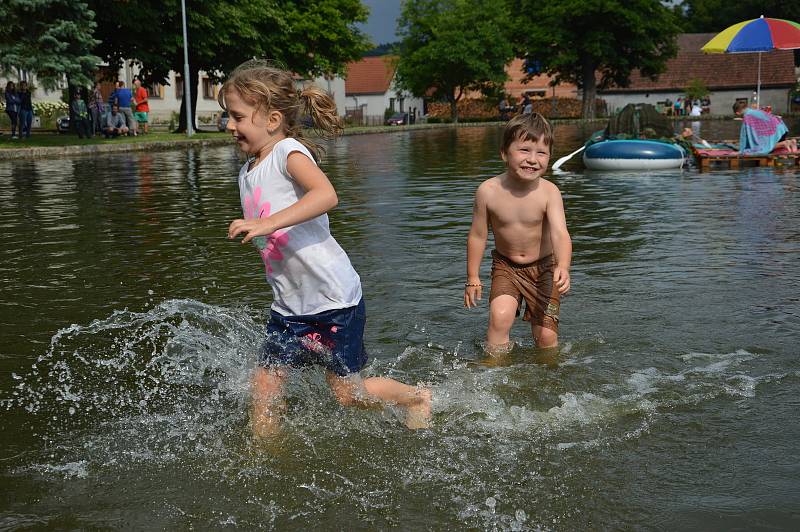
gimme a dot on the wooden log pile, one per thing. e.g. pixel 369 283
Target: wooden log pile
pixel 467 108
pixel 481 109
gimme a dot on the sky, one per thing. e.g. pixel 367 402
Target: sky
pixel 382 22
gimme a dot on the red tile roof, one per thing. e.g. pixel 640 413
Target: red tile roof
pixel 370 75
pixel 515 86
pixel 718 71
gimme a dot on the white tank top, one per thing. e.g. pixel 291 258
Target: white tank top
pixel 307 269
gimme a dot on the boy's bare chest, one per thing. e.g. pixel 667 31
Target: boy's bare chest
pixel 509 210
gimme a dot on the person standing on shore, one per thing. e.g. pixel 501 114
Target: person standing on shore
pixel 142 106
pixel 12 106
pixel 96 109
pixel 81 114
pixel 25 110
pixel 122 96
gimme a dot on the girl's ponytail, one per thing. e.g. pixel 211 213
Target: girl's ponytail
pixel 319 107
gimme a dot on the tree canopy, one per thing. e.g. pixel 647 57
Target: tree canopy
pixel 57 38
pixel 595 43
pixel 449 47
pixel 310 37
pixel 701 16
pixel 50 38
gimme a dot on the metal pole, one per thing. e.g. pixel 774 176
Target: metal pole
pixel 758 88
pixel 187 91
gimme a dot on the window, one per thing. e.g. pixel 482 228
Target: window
pixel 402 104
pixel 178 87
pixel 391 104
pixel 155 90
pixel 208 89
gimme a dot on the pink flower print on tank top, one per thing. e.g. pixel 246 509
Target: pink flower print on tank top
pixel 269 247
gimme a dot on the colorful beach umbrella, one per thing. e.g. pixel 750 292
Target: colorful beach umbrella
pixel 756 35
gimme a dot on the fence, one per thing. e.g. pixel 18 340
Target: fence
pixel 354 116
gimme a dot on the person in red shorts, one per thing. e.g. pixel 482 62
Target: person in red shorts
pixel 142 107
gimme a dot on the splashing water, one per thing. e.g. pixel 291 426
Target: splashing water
pixel 137 395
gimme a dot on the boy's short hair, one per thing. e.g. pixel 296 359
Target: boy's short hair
pixel 527 126
pixel 739 105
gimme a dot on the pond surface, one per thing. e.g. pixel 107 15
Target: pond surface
pixel 129 325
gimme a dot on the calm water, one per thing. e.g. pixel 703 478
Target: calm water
pixel 129 324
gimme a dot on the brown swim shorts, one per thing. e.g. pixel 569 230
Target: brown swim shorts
pixel 532 282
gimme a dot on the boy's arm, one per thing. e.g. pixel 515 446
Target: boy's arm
pixel 562 243
pixel 476 245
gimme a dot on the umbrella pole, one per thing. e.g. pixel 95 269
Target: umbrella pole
pixel 758 88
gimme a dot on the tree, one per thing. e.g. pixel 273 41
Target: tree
pixel 700 16
pixel 696 90
pixel 578 41
pixel 49 38
pixel 450 47
pixel 308 36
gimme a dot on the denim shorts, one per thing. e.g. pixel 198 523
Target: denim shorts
pixel 333 339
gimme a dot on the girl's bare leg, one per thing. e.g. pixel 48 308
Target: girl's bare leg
pixel 267 401
pixel 377 391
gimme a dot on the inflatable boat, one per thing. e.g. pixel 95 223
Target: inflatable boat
pixel 633 155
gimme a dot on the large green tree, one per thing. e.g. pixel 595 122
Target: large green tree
pixel 595 43
pixel 701 16
pixel 310 37
pixel 52 39
pixel 450 47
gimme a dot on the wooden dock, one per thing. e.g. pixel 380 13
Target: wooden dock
pixel 729 159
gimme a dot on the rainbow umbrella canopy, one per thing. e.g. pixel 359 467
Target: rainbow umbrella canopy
pixel 756 35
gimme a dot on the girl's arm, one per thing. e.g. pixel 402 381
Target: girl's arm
pixel 319 198
pixel 562 243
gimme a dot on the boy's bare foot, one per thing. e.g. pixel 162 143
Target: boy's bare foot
pixel 419 413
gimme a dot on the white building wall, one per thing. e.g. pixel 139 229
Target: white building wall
pixel 375 105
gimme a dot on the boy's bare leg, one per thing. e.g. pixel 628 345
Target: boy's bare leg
pixel 377 391
pixel 267 401
pixel 544 337
pixel 502 312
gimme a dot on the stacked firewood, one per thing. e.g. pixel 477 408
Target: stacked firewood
pixel 481 109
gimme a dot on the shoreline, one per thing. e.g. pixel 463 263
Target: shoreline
pixel 33 152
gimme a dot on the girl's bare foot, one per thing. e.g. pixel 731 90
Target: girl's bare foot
pixel 419 414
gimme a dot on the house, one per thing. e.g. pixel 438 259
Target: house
pixel 539 86
pixel 729 77
pixel 370 91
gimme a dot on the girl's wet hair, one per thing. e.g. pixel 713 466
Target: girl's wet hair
pixel 268 87
pixel 528 126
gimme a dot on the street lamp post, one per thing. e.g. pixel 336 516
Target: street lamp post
pixel 187 91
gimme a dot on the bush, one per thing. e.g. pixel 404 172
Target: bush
pixel 49 111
